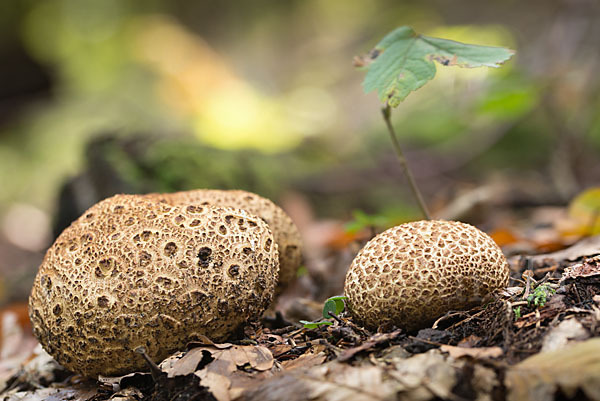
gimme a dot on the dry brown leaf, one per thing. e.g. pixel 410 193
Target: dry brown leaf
pixel 504 236
pixel 183 363
pixel 54 394
pixel 222 370
pixel 203 340
pixel 421 377
pixel 17 345
pixel 304 361
pixel 477 353
pixel 280 349
pixel 585 248
pixel 370 343
pixel 242 381
pixel 258 357
pixel 40 368
pixel 128 394
pixel 541 376
pixel 425 376
pixel 215 376
pixel 589 269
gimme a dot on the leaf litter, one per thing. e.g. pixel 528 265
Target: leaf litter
pixel 507 348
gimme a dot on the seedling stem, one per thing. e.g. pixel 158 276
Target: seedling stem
pixel 387 111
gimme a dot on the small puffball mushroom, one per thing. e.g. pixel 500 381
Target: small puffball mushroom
pixel 413 273
pixel 133 272
pixel 284 230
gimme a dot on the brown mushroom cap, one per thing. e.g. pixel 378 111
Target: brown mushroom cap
pixel 414 273
pixel 284 230
pixel 132 272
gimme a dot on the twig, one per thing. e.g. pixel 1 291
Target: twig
pixel 154 369
pixel 351 325
pixel 426 341
pixel 387 111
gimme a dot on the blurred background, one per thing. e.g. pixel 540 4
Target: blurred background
pixel 122 96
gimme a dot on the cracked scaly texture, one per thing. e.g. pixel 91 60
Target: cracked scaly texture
pixel 284 230
pixel 414 273
pixel 132 272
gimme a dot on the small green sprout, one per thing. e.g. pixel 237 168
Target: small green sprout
pixel 334 305
pixel 540 295
pixel 517 312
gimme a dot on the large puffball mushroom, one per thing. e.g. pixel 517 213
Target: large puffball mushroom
pixel 413 273
pixel 284 230
pixel 133 272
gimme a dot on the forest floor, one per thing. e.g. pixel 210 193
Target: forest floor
pixel 535 340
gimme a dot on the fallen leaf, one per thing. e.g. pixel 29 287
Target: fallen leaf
pixel 425 375
pixel 183 363
pixel 127 394
pixel 215 377
pixel 588 269
pixel 52 394
pixel 370 343
pixel 203 340
pixel 584 209
pixel 17 344
pixel 587 247
pixel 568 370
pixel 258 357
pixel 280 349
pixel 333 381
pixel 304 361
pixel 563 335
pixel 477 353
pixel 40 368
pixel 504 236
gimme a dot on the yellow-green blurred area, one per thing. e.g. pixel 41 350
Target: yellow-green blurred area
pixel 106 96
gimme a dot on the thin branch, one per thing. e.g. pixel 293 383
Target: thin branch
pixel 386 111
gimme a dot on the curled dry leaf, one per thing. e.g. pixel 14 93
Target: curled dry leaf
pixel 183 363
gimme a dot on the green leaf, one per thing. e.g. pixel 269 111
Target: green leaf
pixel 335 305
pixel 314 325
pixel 404 61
